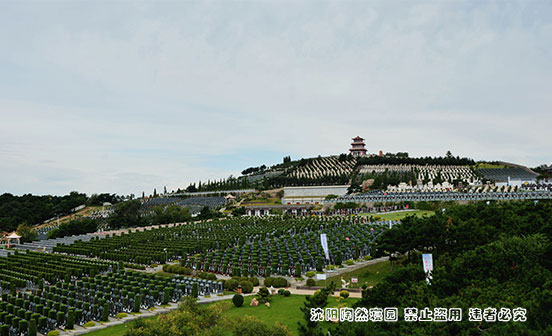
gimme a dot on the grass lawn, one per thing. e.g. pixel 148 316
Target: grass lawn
pixel 371 275
pixel 282 309
pixel 401 214
pixel 263 201
pixel 118 330
pixel 481 165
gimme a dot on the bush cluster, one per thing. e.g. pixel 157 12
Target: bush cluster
pixel 206 276
pixel 275 282
pixel 246 283
pixel 246 286
pixel 284 292
pixel 176 269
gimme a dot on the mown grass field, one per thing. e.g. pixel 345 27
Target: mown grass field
pixel 118 330
pixel 401 214
pixel 481 165
pixel 285 310
pixel 371 275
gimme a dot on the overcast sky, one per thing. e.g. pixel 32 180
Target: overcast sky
pixel 123 97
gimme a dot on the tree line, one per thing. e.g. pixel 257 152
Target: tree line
pixel 485 255
pixel 394 159
pixel 130 214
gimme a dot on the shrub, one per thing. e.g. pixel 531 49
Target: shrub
pixel 32 327
pixel 254 280
pixel 211 276
pixel 137 302
pixel 121 315
pixel 195 290
pixel 70 319
pixel 367 258
pixel 287 293
pixel 60 317
pixel 279 282
pixel 237 300
pixel 231 284
pixel 89 324
pixel 338 258
pixel 253 326
pixel 176 269
pixel 281 291
pixel 349 262
pixel 311 282
pixel 268 281
pixel 105 313
pixel 319 265
pixel 344 294
pixel 263 295
pixel 166 295
pixel 53 333
pixel 23 326
pixel 310 274
pixel 247 286
pixel 298 270
pixel 42 321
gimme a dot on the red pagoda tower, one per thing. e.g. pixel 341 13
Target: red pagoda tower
pixel 357 147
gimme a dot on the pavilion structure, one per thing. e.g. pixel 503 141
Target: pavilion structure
pixel 358 147
pixel 11 240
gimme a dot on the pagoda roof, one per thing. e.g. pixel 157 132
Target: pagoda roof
pixel 358 138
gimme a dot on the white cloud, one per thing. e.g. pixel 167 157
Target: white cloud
pixel 129 98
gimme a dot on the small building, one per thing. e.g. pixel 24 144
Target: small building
pixel 11 240
pixel 265 210
pixel 311 195
pixel 358 147
pixel 229 198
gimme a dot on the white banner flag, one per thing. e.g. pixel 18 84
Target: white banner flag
pixel 324 242
pixel 428 266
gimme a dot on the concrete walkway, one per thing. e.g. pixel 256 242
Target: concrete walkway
pixel 345 269
pixel 203 300
pixel 143 313
pixel 172 306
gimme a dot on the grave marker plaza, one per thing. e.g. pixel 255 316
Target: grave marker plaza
pixel 84 279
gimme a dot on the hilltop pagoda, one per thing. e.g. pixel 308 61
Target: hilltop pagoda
pixel 358 147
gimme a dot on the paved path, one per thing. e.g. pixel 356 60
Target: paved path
pixel 202 300
pixel 345 269
pixel 143 313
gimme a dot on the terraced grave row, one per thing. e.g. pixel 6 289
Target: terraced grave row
pixel 243 246
pixel 31 269
pixel 95 298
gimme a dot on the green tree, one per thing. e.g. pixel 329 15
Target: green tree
pixel 318 300
pixel 27 233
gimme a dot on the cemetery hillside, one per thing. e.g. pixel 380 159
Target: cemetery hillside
pixel 275 168
pixel 316 246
